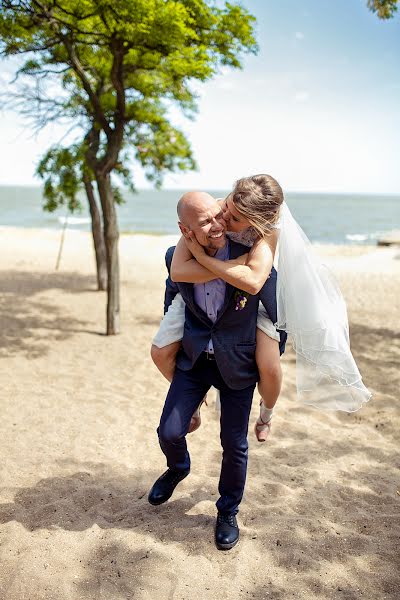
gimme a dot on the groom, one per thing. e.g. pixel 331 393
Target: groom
pixel 218 349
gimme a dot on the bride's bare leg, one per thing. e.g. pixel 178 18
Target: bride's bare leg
pixel 269 386
pixel 165 361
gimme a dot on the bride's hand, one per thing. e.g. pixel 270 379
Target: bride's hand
pixel 193 245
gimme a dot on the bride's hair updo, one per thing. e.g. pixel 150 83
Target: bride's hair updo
pixel 258 198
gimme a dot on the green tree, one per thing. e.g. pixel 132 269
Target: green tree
pixel 385 9
pixel 121 66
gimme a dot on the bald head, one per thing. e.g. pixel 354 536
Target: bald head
pixel 201 214
pixel 193 203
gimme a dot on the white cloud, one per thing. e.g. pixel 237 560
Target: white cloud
pixel 225 70
pixel 299 35
pixel 301 96
pixel 258 81
pixel 225 85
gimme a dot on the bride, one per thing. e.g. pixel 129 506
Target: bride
pixel 310 306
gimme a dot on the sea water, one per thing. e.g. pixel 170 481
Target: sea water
pixel 326 218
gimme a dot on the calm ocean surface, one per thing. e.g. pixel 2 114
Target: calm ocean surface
pixel 327 218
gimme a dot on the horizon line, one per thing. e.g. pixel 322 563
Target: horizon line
pixel 222 189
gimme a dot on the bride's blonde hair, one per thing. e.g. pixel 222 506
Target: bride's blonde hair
pixel 258 198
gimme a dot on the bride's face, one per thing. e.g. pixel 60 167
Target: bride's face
pixel 234 220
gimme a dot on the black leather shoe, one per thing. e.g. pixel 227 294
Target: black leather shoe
pixel 226 532
pixel 163 488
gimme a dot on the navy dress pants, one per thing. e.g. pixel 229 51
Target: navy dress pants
pixel 185 394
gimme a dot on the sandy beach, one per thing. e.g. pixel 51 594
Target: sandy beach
pixel 320 518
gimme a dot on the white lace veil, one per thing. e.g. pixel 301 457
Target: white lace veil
pixel 311 309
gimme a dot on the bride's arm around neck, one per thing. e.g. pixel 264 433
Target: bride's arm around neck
pixel 249 275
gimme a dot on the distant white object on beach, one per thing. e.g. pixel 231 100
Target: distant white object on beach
pixel 356 237
pixel 74 220
pixel 390 239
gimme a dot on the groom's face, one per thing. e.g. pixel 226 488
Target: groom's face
pixel 204 217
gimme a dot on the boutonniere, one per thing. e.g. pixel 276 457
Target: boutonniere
pixel 241 298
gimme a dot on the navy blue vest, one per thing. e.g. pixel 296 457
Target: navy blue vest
pixel 234 332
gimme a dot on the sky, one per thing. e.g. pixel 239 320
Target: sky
pixel 318 107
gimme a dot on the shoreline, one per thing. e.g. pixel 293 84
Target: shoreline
pixel 151 234
pixel 23 244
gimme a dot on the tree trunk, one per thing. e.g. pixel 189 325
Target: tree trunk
pixel 111 236
pixel 98 237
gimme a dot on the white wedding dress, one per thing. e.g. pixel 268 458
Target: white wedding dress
pixel 312 310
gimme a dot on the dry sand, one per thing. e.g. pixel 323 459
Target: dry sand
pixel 320 517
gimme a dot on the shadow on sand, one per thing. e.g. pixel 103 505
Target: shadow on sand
pixel 342 529
pixel 30 324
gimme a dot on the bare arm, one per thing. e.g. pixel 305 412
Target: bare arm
pixel 249 277
pixel 186 269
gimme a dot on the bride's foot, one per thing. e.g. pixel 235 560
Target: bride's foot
pixel 195 421
pixel 262 428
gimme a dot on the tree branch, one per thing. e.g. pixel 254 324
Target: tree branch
pixel 79 70
pixel 54 19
